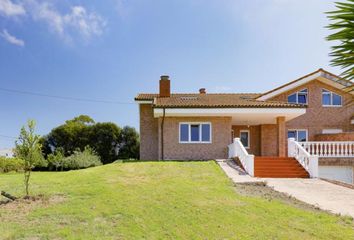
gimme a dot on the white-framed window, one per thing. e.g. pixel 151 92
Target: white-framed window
pixel 330 99
pixel 195 132
pixel 300 135
pixel 299 97
pixel 331 131
pixel 245 138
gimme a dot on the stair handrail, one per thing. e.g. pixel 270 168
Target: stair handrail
pixel 237 150
pixel 308 162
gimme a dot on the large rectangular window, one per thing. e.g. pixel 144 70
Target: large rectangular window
pixel 195 132
pixel 300 135
pixel 330 99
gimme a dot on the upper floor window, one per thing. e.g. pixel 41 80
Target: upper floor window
pixel 195 133
pixel 298 97
pixel 330 98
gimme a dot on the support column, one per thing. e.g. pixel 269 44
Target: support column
pixel 281 136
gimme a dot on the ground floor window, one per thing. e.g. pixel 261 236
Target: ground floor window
pixel 245 138
pixel 300 135
pixel 195 132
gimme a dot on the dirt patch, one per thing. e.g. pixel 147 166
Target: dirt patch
pixel 260 189
pixel 21 207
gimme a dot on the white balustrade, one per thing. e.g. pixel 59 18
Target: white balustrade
pixel 330 149
pixel 308 161
pixel 236 149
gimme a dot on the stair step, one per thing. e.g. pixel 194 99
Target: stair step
pixel 275 161
pixel 282 176
pixel 278 167
pixel 279 173
pixel 279 163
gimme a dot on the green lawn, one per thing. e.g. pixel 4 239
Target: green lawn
pixel 155 200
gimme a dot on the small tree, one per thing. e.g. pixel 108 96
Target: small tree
pixel 28 148
pixel 56 160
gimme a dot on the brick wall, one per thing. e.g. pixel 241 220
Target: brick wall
pixel 336 161
pixel 269 140
pixel 148 133
pixel 335 137
pixel 255 137
pixel 173 150
pixel 318 117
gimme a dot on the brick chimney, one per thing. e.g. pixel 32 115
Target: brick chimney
pixel 165 88
pixel 202 91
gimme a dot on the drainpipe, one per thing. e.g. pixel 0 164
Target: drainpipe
pixel 162 124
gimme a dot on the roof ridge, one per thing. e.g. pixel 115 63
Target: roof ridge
pixel 307 75
pixel 197 93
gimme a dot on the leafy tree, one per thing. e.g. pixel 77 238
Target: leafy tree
pixel 342 21
pixel 82 120
pixel 129 143
pixel 72 135
pixel 28 149
pixel 104 139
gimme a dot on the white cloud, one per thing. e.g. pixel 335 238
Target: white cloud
pixel 11 39
pixel 9 8
pixel 77 21
pixel 87 23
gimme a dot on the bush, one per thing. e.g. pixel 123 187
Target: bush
pixel 56 160
pixel 85 159
pixel 11 164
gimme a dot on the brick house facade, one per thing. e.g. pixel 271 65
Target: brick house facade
pixel 263 120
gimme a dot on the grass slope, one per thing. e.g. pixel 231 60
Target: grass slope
pixel 155 200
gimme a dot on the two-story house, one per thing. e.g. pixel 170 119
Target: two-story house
pixel 179 126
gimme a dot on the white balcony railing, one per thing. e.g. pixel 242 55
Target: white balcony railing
pixel 236 149
pixel 307 160
pixel 329 149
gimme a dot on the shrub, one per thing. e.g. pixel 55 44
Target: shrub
pixel 84 159
pixel 56 160
pixel 11 164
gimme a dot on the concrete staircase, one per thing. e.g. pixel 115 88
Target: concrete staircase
pixel 278 167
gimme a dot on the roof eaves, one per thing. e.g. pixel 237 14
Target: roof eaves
pixel 289 83
pixel 231 106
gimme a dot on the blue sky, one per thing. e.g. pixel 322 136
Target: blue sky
pixel 113 49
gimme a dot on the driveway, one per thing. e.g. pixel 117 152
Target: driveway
pixel 325 195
